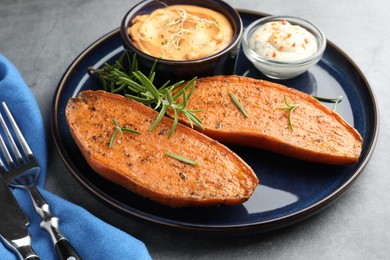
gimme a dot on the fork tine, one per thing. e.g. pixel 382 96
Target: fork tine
pixel 18 133
pixel 3 146
pixel 7 156
pixel 2 164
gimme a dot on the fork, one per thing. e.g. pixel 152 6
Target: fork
pixel 23 174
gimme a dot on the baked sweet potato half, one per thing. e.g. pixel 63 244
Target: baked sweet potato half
pixel 146 162
pixel 316 133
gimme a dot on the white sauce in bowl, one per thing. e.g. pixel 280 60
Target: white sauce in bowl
pixel 282 41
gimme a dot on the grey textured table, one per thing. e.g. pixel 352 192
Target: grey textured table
pixel 43 37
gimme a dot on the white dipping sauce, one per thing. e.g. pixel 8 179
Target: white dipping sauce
pixel 282 41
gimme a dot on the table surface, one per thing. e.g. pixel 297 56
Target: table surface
pixel 43 37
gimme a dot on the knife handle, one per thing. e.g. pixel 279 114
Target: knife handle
pixel 22 248
pixel 26 252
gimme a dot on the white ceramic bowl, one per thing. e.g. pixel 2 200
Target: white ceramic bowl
pixel 283 69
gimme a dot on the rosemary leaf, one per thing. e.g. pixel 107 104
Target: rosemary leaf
pixel 192 84
pixel 184 89
pixel 148 85
pixel 189 119
pixel 166 84
pixel 104 84
pixel 168 97
pixel 336 100
pixel 134 64
pixel 336 103
pixel 145 101
pixel 173 86
pixel 152 73
pixel 290 108
pixel 151 76
pixel 117 73
pixel 159 117
pixel 119 63
pixel 125 129
pixel 238 104
pixel 175 121
pixel 183 104
pixel 121 87
pixel 131 83
pixel 120 130
pixel 112 138
pixel 193 118
pixel 330 100
pixel 107 78
pixel 121 58
pixel 289 117
pixel 117 127
pixel 182 158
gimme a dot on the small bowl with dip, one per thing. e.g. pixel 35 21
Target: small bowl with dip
pixel 283 47
pixel 196 39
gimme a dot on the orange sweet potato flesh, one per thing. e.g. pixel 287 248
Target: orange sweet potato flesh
pixel 319 134
pixel 139 162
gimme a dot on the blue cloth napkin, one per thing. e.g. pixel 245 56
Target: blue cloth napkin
pixel 91 237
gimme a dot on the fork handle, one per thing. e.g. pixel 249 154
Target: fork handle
pixel 65 250
pixel 50 223
pixel 63 247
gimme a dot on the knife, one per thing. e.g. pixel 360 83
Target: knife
pixel 13 225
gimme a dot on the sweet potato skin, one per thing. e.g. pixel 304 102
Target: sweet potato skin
pixel 319 134
pixel 139 162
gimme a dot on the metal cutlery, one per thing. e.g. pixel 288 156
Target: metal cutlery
pixel 13 224
pixel 23 174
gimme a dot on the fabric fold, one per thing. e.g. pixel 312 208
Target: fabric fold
pixel 92 237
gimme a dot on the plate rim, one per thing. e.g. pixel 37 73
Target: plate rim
pixel 262 226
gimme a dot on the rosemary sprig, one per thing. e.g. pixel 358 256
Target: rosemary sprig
pixel 336 100
pixel 238 104
pixel 120 130
pixel 181 158
pixel 290 108
pixel 124 77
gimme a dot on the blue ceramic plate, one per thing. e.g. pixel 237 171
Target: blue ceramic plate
pixel 290 190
